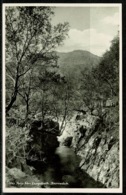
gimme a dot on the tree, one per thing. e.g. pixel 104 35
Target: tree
pixel 108 69
pixel 29 38
pixel 102 81
pixel 88 89
pixel 25 90
pixel 52 97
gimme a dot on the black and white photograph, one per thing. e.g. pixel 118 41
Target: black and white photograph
pixel 62 97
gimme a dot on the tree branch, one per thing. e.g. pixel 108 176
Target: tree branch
pixel 24 72
pixel 11 78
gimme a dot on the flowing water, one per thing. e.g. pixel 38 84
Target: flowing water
pixel 63 172
pixel 56 165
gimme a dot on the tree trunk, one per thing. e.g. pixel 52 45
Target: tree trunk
pixel 14 97
pixel 27 109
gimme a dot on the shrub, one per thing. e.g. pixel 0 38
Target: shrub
pixel 16 143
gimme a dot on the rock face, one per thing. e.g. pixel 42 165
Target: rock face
pixel 99 151
pixel 19 179
pixel 70 171
pixel 43 144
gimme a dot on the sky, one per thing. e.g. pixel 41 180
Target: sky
pixel 91 28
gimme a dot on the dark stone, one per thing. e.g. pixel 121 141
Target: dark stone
pixel 78 117
pixel 82 130
pixel 68 141
pixel 111 143
pixel 97 142
pixel 48 125
pixel 42 146
pixel 81 111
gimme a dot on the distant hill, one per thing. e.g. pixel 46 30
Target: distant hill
pixel 76 61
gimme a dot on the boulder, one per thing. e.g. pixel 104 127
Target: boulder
pixel 17 178
pixel 43 144
pixel 95 112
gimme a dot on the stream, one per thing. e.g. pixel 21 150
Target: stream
pixel 56 165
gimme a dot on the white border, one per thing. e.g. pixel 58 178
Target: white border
pixel 66 190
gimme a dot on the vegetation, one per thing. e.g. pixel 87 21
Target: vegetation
pixel 39 87
pixel 101 83
pixel 29 38
pixel 16 143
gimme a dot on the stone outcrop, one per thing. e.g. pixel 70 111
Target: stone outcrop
pixel 98 149
pixel 43 144
pixel 19 179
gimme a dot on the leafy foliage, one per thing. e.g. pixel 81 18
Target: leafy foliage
pixel 102 82
pixel 108 69
pixel 29 37
pixel 16 143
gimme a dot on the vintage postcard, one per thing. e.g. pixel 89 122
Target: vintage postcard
pixel 62 97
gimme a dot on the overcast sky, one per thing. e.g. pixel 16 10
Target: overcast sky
pixel 91 29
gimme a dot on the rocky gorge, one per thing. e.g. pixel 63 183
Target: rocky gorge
pixel 97 145
pixel 85 155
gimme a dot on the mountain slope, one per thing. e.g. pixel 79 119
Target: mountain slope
pixel 76 61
